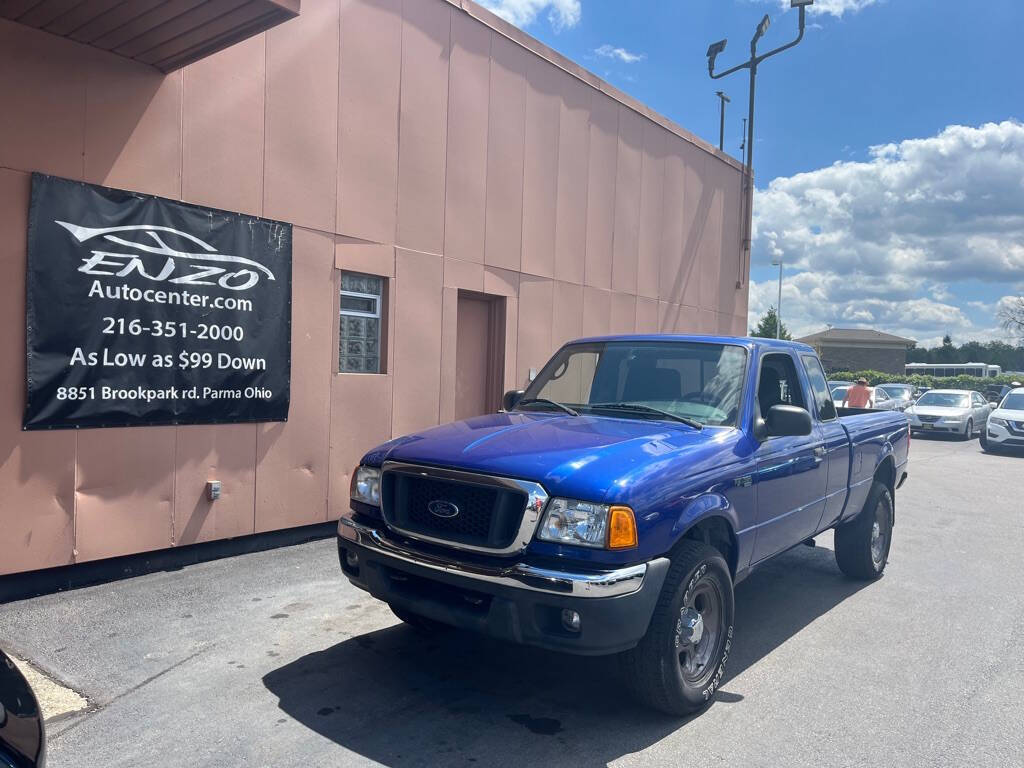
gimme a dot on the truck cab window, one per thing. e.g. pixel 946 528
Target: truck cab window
pixel 819 388
pixel 778 383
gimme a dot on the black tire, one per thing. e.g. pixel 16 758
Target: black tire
pixel 698 580
pixel 418 622
pixel 984 441
pixel 859 554
pixel 969 432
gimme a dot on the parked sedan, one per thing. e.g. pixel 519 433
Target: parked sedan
pixel 1006 423
pixel 902 395
pixel 949 411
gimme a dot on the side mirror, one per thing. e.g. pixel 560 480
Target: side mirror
pixel 788 421
pixel 992 405
pixel 511 399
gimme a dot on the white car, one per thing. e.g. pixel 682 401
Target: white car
pixel 1006 423
pixel 949 411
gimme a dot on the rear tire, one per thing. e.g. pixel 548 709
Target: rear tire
pixel 862 545
pixel 672 669
pixel 418 622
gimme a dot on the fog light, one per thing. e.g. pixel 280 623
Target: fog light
pixel 351 559
pixel 570 620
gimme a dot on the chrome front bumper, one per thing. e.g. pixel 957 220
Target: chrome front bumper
pixel 613 583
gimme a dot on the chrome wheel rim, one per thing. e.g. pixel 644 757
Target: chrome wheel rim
pixel 697 657
pixel 877 544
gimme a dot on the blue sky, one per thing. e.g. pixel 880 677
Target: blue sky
pixel 919 229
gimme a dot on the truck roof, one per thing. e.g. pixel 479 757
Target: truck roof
pixel 745 341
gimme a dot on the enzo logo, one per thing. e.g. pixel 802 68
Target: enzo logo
pixel 188 267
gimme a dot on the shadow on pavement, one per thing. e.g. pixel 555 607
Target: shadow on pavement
pixel 402 698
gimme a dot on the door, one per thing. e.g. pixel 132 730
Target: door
pixel 479 354
pixel 791 471
pixel 981 411
pixel 835 440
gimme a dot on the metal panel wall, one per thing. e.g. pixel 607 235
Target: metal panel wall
pixel 428 143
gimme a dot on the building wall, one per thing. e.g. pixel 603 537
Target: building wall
pixel 425 142
pixel 863 358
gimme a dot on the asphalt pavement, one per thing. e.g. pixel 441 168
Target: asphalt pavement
pixel 272 659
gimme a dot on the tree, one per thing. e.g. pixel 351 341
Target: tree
pixel 947 352
pixel 1011 317
pixel 766 326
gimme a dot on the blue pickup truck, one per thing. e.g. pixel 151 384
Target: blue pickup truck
pixel 612 506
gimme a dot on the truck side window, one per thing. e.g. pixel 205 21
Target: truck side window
pixel 778 383
pixel 819 387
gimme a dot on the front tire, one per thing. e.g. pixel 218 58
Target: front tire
pixel 862 545
pixel 679 663
pixel 969 432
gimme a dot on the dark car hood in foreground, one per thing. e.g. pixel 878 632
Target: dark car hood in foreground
pixel 585 457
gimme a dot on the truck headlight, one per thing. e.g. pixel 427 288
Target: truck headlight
pixel 586 524
pixel 366 485
pixel 997 421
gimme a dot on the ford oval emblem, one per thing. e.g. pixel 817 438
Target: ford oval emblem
pixel 442 508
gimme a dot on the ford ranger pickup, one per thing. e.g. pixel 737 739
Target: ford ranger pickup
pixel 611 507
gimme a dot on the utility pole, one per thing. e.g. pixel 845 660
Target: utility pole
pixel 751 65
pixel 721 118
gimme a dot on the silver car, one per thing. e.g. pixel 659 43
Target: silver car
pixel 902 395
pixel 958 412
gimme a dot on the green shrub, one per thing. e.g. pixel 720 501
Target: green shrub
pixel 920 380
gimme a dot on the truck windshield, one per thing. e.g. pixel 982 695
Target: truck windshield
pixel 694 381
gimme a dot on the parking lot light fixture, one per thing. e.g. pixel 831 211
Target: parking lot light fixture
pixel 713 50
pixel 721 117
pixel 751 66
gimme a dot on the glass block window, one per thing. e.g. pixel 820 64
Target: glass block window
pixel 360 323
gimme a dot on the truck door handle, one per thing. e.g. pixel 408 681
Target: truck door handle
pixel 819 451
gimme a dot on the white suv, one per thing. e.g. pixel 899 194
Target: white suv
pixel 1006 423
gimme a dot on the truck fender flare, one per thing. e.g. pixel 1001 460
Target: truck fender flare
pixel 702 507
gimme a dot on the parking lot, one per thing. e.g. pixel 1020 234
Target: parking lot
pixel 273 659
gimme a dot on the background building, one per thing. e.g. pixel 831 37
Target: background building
pixel 464 200
pixel 860 349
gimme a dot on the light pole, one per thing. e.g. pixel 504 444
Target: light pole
pixel 721 119
pixel 751 64
pixel 778 307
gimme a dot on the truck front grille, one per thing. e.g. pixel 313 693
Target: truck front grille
pixel 479 515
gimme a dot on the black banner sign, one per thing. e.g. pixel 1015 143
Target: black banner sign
pixel 142 310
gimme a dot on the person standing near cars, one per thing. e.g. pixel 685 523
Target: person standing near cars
pixel 859 395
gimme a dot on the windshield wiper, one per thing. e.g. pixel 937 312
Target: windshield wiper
pixel 648 409
pixel 545 401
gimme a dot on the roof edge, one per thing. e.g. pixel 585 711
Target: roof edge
pixel 535 46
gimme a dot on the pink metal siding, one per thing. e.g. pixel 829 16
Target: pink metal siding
pixel 428 143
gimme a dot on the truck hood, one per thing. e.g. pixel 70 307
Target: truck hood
pixel 589 457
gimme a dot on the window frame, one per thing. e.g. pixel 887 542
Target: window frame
pixel 380 314
pixel 804 357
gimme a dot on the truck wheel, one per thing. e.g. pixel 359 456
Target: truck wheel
pixel 418 622
pixel 969 432
pixel 862 545
pixel 679 663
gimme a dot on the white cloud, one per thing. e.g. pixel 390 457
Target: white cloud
pixel 890 242
pixel 613 52
pixel 834 7
pixel 522 13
